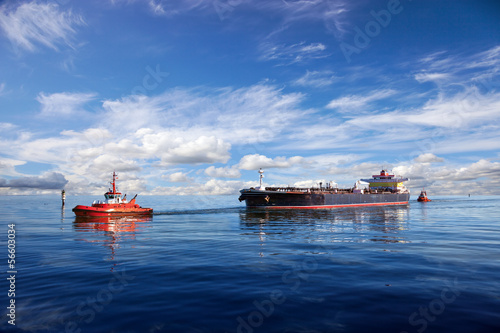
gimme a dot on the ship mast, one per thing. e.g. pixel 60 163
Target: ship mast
pixel 261 172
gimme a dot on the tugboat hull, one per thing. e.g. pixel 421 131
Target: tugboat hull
pixel 81 210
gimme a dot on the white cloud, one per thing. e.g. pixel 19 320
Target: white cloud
pixel 179 177
pixel 135 133
pixel 356 102
pixel 316 79
pixel 480 177
pixel 8 166
pixel 363 169
pixel 63 104
pixel 256 161
pixel 310 183
pixel 8 127
pixel 32 24
pixel 449 123
pixel 462 110
pixel 442 66
pixel 428 158
pixel 169 8
pixel 47 181
pixel 165 147
pixel 332 13
pixel 486 59
pixel 211 187
pixel 295 53
pixel 223 172
pixel 425 77
pixel 202 150
pixel 251 114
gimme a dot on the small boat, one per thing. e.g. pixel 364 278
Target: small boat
pixel 423 197
pixel 114 205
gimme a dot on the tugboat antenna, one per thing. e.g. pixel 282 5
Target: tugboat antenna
pixel 114 183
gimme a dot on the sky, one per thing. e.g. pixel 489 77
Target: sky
pixel 194 96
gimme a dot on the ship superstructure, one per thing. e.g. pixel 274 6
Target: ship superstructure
pixel 386 182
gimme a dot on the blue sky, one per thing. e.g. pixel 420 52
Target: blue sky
pixel 194 96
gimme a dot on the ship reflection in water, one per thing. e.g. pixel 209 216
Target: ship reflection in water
pixel 110 232
pixel 344 225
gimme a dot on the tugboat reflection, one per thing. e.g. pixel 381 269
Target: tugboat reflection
pixel 371 224
pixel 110 232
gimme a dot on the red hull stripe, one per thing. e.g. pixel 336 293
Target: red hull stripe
pixel 92 214
pixel 332 206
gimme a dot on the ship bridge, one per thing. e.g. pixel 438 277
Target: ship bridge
pixel 386 181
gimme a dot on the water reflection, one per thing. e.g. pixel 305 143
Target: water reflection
pixel 366 224
pixel 110 232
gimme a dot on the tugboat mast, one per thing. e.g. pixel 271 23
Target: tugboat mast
pixel 114 183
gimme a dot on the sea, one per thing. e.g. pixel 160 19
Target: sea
pixel 209 264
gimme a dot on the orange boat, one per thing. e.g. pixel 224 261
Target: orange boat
pixel 114 205
pixel 423 197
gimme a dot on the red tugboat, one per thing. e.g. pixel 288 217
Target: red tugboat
pixel 423 197
pixel 114 205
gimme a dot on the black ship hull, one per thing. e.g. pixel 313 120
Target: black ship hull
pixel 306 200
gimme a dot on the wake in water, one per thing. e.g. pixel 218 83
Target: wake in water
pixel 201 211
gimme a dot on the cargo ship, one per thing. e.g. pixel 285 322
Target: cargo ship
pixel 383 189
pixel 114 205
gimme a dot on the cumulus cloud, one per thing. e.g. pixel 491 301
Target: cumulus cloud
pixel 178 126
pixel 32 24
pixel 47 181
pixel 179 177
pixel 480 169
pixel 211 187
pixel 357 171
pixel 310 183
pixel 249 114
pixel 223 172
pixel 202 150
pixel 428 158
pixel 480 177
pixel 256 161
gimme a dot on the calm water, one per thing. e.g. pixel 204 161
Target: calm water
pixel 207 264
